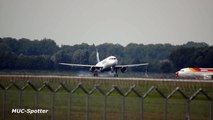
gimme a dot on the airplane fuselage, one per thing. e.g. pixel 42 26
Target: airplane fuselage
pixel 205 73
pixel 107 63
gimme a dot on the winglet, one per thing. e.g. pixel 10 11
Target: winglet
pixel 97 56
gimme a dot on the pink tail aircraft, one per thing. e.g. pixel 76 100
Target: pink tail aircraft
pixel 205 73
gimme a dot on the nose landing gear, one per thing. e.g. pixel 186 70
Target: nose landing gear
pixel 95 73
pixel 176 75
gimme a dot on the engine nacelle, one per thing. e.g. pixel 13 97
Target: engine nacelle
pixel 95 69
pixel 207 77
pixel 123 69
pixel 92 69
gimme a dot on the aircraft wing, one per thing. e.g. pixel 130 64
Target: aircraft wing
pixel 76 65
pixel 80 65
pixel 132 65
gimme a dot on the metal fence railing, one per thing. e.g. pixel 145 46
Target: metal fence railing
pixel 104 95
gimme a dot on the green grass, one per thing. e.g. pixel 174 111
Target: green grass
pixel 153 103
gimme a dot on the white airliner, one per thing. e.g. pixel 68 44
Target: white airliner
pixel 205 73
pixel 108 64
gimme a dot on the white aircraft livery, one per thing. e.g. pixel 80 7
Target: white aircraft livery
pixel 205 73
pixel 109 63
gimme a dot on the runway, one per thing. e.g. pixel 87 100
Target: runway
pixel 57 77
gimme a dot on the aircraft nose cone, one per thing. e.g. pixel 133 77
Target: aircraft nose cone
pixel 176 74
pixel 116 61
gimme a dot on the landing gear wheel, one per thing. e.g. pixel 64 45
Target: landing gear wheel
pixel 115 75
pixel 95 74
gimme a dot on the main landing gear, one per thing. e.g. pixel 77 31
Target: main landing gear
pixel 95 74
pixel 115 72
pixel 116 75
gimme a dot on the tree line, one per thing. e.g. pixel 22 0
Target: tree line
pixel 45 54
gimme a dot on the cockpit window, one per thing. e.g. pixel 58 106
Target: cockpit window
pixel 112 58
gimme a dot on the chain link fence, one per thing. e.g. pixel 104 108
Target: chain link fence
pixel 78 102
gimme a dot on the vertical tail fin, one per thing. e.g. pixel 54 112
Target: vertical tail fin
pixel 97 56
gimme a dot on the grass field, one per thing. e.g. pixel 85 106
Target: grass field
pixel 80 103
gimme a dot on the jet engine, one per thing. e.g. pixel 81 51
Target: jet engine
pixel 207 77
pixel 92 69
pixel 123 69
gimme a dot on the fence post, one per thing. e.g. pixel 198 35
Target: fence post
pixel 211 110
pixel 53 103
pixel 87 106
pixel 123 107
pixel 104 108
pixel 36 103
pixel 69 106
pixel 132 89
pixel 69 99
pixel 3 99
pixel 20 98
pixel 165 98
pixel 53 98
pixel 4 104
pixel 36 97
pixel 104 100
pixel 165 109
pixel 142 110
pixel 187 109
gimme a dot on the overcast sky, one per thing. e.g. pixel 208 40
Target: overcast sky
pixel 114 21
